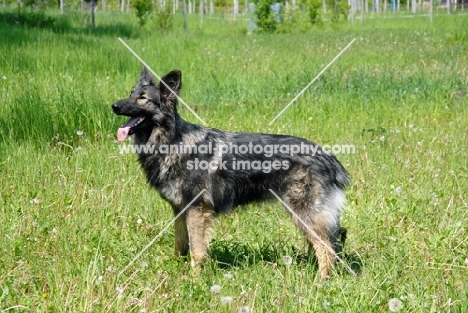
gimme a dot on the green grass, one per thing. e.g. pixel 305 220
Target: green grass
pixel 73 209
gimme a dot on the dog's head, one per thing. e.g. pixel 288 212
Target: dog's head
pixel 150 104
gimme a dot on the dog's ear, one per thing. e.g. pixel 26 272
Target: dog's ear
pixel 173 80
pixel 146 79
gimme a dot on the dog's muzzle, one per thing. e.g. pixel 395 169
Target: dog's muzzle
pixel 117 107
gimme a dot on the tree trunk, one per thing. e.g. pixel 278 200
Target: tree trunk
pixel 104 5
pixel 61 6
pixel 362 12
pixel 431 11
pixel 93 21
pixel 184 14
pixel 202 9
pixel 236 8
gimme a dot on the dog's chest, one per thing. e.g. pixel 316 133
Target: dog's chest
pixel 164 174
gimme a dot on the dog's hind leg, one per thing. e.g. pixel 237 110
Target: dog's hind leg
pixel 317 213
pixel 324 232
pixel 200 220
pixel 316 229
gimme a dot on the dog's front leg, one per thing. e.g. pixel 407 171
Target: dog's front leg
pixel 200 220
pixel 195 229
pixel 181 236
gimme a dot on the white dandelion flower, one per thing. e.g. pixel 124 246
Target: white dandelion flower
pixel 120 292
pixel 99 280
pixel 226 300
pixel 79 132
pixel 228 275
pixel 34 201
pixel 395 304
pixel 287 260
pixel 215 289
pixel 244 309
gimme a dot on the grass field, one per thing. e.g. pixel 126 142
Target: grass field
pixel 75 212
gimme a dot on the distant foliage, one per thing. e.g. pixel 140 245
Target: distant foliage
pixel 305 16
pixel 163 15
pixel 30 13
pixel 36 4
pixel 314 11
pixel 143 10
pixel 340 9
pixel 265 19
pixel 160 12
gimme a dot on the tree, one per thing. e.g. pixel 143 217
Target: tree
pixel 143 9
pixel 92 4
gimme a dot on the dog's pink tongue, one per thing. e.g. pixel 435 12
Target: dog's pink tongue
pixel 122 133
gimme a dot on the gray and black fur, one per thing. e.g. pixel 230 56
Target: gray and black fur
pixel 312 185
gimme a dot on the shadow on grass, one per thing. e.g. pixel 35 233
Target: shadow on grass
pixel 228 255
pixel 72 23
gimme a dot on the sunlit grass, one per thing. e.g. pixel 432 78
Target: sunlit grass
pixel 75 212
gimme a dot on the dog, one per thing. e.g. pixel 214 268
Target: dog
pixel 226 169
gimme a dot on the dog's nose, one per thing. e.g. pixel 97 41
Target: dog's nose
pixel 116 107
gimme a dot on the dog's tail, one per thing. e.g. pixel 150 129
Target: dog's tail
pixel 326 165
pixel 341 176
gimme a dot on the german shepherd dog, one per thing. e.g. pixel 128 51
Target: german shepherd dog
pixel 232 169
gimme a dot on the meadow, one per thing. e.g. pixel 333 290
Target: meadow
pixel 75 212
